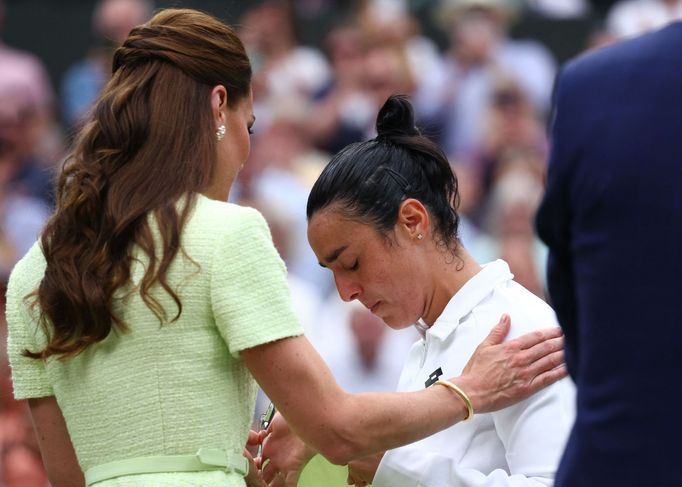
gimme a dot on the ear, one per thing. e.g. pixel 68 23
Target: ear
pixel 413 218
pixel 218 104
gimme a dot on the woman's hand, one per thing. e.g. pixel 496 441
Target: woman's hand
pixel 253 478
pixel 284 454
pixel 501 374
pixel 361 471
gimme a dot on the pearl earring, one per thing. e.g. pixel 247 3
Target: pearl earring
pixel 220 133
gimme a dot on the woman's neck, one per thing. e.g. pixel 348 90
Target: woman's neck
pixel 448 279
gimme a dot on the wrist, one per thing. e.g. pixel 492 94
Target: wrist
pixel 460 394
pixel 447 400
pixel 473 391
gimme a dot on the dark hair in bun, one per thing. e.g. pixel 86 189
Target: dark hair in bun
pixel 396 117
pixel 371 179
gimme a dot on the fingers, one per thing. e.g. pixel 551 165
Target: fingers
pixel 268 472
pixel 253 439
pixel 542 349
pixel 499 331
pixel 279 481
pixel 533 338
pixel 549 377
pixel 546 363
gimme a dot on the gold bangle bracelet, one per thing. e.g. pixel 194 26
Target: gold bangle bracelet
pixel 461 394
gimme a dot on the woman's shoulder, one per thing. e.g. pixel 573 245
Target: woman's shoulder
pixel 27 273
pixel 220 215
pixel 528 312
pixel 217 230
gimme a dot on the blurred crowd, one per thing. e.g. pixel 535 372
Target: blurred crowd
pixel 484 98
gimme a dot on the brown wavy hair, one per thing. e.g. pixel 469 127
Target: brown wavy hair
pixel 149 141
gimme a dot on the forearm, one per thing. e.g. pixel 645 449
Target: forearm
pixel 56 449
pixel 364 424
pixel 343 426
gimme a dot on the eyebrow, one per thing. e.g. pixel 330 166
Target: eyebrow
pixel 334 255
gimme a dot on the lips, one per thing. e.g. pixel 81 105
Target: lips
pixel 374 307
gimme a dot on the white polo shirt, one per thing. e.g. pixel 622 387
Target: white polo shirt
pixel 517 446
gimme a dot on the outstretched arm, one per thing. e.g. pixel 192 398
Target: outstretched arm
pixel 345 426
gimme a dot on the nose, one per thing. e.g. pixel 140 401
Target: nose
pixel 348 290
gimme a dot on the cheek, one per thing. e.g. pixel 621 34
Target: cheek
pixel 242 146
pixel 247 146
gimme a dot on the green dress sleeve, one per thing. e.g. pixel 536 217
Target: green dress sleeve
pixel 249 292
pixel 29 376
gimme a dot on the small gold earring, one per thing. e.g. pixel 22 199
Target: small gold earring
pixel 419 236
pixel 220 133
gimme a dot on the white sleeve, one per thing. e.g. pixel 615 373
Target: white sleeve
pixel 412 467
pixel 533 432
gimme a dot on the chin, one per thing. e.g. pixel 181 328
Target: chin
pixel 398 323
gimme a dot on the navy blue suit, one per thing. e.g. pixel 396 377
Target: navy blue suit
pixel 612 218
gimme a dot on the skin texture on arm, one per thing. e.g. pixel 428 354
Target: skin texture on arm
pixel 339 425
pixel 345 426
pixel 361 471
pixel 56 449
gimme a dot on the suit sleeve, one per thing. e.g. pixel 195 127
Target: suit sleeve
pixel 554 220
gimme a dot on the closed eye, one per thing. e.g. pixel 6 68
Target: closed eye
pixel 355 266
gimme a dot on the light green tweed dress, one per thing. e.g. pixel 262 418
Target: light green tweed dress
pixel 171 389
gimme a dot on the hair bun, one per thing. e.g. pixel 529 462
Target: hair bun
pixel 396 117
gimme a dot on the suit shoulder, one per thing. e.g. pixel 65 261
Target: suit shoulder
pixel 660 45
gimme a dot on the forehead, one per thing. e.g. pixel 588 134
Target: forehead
pixel 331 227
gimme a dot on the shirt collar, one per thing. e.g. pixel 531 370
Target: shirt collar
pixel 470 295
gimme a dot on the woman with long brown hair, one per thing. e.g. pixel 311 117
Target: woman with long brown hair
pixel 140 320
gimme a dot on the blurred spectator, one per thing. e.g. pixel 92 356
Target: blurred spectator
pixel 83 81
pixel 305 297
pixel 21 71
pixel 390 22
pixel 22 465
pixel 599 37
pixel 516 191
pixel 362 352
pixel 25 181
pixel 281 169
pixel 282 67
pixel 629 18
pixel 456 98
pixel 21 131
pixel 28 145
pixel 343 111
pixel 388 72
pixel 559 9
pixel 510 123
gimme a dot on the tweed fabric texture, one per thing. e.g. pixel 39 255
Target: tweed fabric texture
pixel 166 389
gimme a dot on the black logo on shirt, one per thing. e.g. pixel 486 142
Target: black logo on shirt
pixel 433 377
